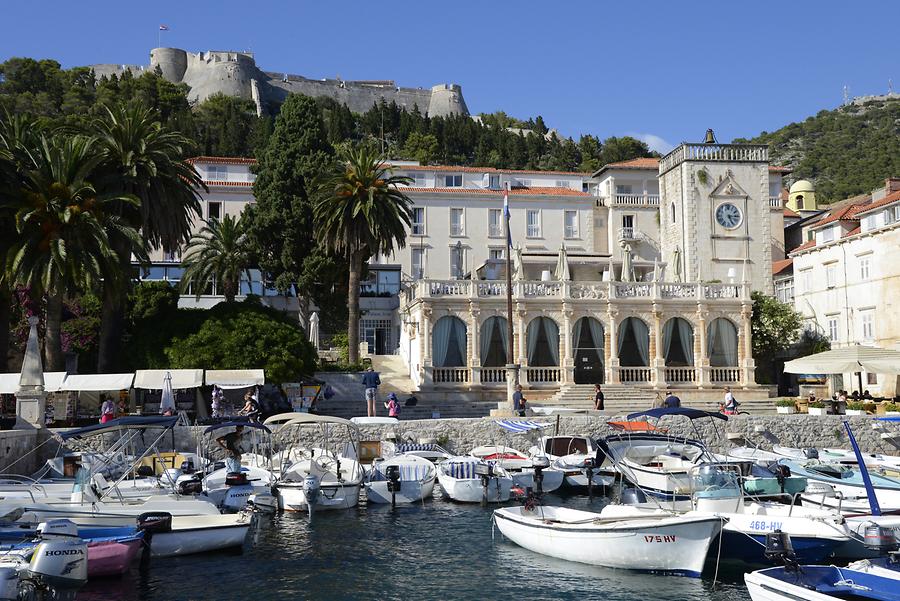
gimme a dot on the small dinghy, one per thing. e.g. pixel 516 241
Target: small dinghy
pixel 401 479
pixel 671 544
pixel 571 455
pixel 820 583
pixel 521 467
pixel 470 480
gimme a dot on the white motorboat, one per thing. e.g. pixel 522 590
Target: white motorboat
pixel 51 570
pixel 400 479
pixel 521 467
pixel 470 480
pixel 653 543
pixel 842 487
pixel 317 478
pixel 569 454
pixel 820 583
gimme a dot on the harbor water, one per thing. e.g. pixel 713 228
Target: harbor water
pixel 434 550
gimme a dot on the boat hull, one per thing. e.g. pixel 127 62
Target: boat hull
pixel 553 479
pixel 202 536
pixel 292 497
pixel 470 490
pixel 675 546
pixel 113 557
pixel 410 491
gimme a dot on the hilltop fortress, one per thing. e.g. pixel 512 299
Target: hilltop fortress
pixel 236 74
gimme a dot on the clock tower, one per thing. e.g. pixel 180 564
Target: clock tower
pixel 714 213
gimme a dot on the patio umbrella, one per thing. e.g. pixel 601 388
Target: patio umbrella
pixel 627 266
pixel 562 265
pixel 518 264
pixel 676 264
pixel 851 359
pixel 314 330
pixel 655 270
pixel 167 401
pixel 611 270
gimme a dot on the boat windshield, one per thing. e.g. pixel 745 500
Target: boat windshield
pixel 565 445
pixel 840 472
pixel 712 481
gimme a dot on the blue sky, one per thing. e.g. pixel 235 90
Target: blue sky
pixel 662 70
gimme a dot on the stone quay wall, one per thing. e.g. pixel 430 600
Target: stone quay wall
pixel 462 435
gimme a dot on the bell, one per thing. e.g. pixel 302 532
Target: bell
pixel 710 137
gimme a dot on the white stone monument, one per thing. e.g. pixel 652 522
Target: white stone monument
pixel 31 399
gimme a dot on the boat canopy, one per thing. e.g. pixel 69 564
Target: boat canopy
pixel 97 382
pixel 154 379
pixel 687 412
pixel 122 423
pixel 235 378
pixel 642 426
pixel 292 418
pixel 9 383
pixel 234 424
pixel 517 427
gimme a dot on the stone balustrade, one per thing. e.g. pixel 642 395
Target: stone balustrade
pixel 450 375
pixel 634 375
pixel 681 375
pixel 775 202
pixel 725 153
pixel 724 375
pixel 636 200
pixel 542 375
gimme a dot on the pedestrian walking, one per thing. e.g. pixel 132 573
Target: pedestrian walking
pixel 392 404
pixel 519 401
pixel 371 382
pixel 598 397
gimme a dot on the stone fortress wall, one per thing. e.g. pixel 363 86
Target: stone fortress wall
pixel 236 74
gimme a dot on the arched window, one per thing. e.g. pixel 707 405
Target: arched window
pixel 494 342
pixel 678 343
pixel 672 211
pixel 448 342
pixel 634 343
pixel 722 343
pixel 542 337
pixel 799 201
pixel 587 345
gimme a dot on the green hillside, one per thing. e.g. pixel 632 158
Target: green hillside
pixel 845 152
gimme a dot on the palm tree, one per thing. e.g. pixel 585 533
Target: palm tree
pixel 361 213
pixel 62 243
pixel 220 252
pixel 139 157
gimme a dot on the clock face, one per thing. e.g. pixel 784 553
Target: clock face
pixel 728 215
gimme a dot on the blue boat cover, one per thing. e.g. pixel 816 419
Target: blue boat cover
pixel 517 427
pixel 132 422
pixel 687 412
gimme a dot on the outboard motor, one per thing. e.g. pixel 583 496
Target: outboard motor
pixel 239 490
pixel 392 473
pixel 879 539
pixel 633 496
pixel 57 530
pixel 60 565
pixel 539 463
pixel 782 473
pixel 811 453
pixel 311 486
pixel 152 523
pixel 589 465
pixel 187 466
pixel 189 485
pixel 485 471
pixel 779 549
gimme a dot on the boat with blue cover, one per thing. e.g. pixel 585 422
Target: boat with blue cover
pixel 820 583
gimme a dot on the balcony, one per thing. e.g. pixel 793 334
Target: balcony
pixel 775 202
pixel 718 153
pixel 629 234
pixel 636 200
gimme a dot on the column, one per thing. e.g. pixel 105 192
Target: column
pixel 748 365
pixel 613 364
pixel 474 358
pixel 522 356
pixel 701 359
pixel 425 347
pixel 567 364
pixel 657 361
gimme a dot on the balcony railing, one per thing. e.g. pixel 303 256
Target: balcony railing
pixel 542 375
pixel 636 200
pixel 775 202
pixel 726 153
pixel 493 375
pixel 681 375
pixel 450 375
pixel 724 375
pixel 635 374
pixel 629 233
pixel 522 290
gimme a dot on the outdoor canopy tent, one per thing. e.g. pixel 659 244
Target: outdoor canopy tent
pixel 851 359
pixel 53 380
pixel 234 378
pixel 153 379
pixel 97 382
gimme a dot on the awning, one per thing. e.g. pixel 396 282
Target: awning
pixel 152 379
pixel 517 427
pixel 9 383
pixel 847 360
pixel 235 378
pixel 683 411
pixel 97 382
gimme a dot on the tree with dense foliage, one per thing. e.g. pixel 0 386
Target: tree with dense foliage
pixel 139 157
pixel 361 213
pixel 775 327
pixel 246 336
pixel 280 223
pixel 62 246
pixel 219 252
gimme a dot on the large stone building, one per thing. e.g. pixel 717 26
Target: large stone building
pixel 236 74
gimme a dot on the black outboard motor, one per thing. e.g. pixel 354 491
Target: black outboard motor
pixel 539 464
pixel 811 453
pixel 633 496
pixel 485 471
pixel 187 466
pixel 192 486
pixel 218 465
pixel 392 472
pixel 236 479
pixel 782 473
pixel 151 523
pixel 779 549
pixel 589 465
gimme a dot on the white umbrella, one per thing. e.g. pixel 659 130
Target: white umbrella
pixel 167 401
pixel 562 266
pixel 655 270
pixel 676 264
pixel 314 330
pixel 847 360
pixel 627 267
pixel 518 264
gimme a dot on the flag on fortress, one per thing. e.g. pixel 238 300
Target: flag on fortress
pixel 164 28
pixel 506 216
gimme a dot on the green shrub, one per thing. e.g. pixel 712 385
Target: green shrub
pixel 784 403
pixel 817 405
pixel 856 405
pixel 891 407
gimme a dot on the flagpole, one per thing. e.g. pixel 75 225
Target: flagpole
pixel 512 368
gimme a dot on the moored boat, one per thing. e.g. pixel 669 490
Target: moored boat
pixel 401 479
pixel 470 480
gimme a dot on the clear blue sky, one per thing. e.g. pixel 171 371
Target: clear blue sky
pixel 647 68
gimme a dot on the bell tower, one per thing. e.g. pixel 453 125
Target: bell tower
pixel 714 213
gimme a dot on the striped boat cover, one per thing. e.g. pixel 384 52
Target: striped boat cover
pixel 408 473
pixel 409 446
pixel 517 427
pixel 462 470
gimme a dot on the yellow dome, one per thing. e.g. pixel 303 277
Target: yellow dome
pixel 802 185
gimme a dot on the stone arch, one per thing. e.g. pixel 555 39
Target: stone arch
pixel 494 341
pixel 678 342
pixel 722 342
pixel 448 342
pixel 588 343
pixel 542 342
pixel 633 340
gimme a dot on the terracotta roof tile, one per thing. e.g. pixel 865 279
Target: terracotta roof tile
pixel 852 232
pixel 513 192
pixel 790 213
pixel 890 198
pixel 222 160
pixel 777 169
pixel 639 163
pixel 782 265
pixel 808 244
pixel 845 213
